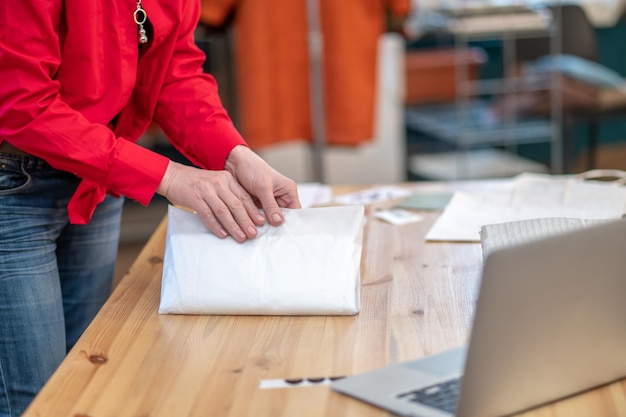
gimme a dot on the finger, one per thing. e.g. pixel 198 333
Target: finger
pixel 272 211
pixel 233 215
pixel 244 218
pixel 227 220
pixel 216 215
pixel 209 219
pixel 250 204
pixel 243 209
pixel 287 196
pixel 289 200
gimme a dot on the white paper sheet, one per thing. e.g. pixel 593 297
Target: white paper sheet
pixel 314 194
pixel 372 195
pixel 310 265
pixel 529 196
pixel 398 216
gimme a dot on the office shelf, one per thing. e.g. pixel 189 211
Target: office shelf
pixel 475 126
pixel 472 122
pixel 472 164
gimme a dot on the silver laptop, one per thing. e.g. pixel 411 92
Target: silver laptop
pixel 550 321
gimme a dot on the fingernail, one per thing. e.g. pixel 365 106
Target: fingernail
pixel 223 233
pixel 240 234
pixel 260 218
pixel 252 231
pixel 276 217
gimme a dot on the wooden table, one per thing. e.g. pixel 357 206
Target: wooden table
pixel 417 299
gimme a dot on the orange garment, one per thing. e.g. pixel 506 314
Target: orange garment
pixel 272 66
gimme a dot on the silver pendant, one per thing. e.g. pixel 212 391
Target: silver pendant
pixel 140 16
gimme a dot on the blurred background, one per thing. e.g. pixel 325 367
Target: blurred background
pixel 386 91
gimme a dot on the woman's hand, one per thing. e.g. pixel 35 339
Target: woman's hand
pixel 227 201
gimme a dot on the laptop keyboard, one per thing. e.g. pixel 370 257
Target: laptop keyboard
pixel 443 396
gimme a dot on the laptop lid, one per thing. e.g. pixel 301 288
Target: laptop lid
pixel 550 321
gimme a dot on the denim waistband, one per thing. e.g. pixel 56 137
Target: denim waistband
pixel 29 161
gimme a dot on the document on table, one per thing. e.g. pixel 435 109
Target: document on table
pixel 529 196
pixel 314 194
pixel 372 195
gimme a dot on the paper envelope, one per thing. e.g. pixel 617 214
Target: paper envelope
pixel 310 265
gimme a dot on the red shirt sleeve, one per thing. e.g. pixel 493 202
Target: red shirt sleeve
pixel 189 109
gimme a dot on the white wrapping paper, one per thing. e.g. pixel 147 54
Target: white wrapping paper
pixel 310 265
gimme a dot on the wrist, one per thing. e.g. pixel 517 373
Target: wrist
pixel 164 186
pixel 236 155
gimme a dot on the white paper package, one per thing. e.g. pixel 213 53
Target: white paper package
pixel 310 265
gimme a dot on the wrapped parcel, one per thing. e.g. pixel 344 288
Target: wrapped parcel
pixel 309 265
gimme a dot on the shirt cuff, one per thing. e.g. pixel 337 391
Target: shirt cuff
pixel 136 172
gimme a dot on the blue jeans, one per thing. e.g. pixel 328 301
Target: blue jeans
pixel 54 276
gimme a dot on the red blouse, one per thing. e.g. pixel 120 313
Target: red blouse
pixel 69 67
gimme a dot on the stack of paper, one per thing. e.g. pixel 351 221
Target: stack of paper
pixel 529 196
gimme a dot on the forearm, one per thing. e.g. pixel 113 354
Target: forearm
pixel 189 108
